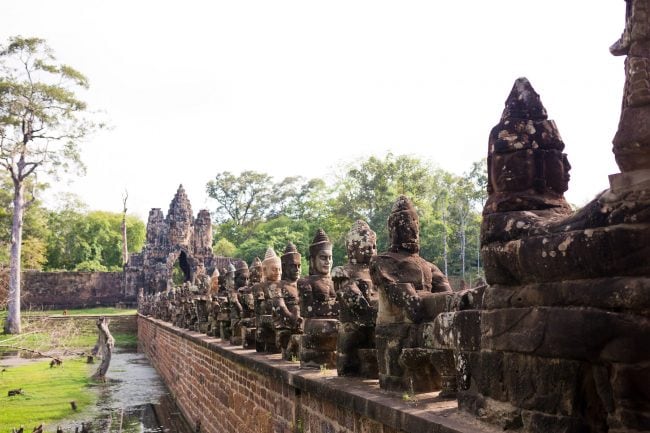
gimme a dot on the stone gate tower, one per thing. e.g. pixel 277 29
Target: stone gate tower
pixel 175 239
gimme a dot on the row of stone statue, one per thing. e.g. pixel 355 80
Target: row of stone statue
pixel 367 318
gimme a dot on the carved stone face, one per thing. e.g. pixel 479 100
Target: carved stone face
pixel 512 171
pixel 272 270
pixel 322 261
pixel 291 267
pixel 361 250
pixel 242 278
pixel 557 169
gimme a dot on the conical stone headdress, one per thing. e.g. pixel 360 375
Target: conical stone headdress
pixel 320 242
pixel 290 254
pixel 270 257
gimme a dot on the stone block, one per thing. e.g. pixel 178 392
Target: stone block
pixel 459 330
pixel 586 334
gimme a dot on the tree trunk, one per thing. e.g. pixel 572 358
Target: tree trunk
pixel 12 324
pixel 125 250
pixel 104 346
pixel 444 239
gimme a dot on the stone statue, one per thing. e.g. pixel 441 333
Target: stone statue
pixel 234 302
pixel 223 317
pixel 526 166
pixel 247 301
pixel 356 353
pixel 404 281
pixel 286 305
pixel 566 301
pixel 632 140
pixel 262 292
pixel 318 307
pixel 256 274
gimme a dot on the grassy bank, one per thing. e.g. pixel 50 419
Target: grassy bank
pixel 98 311
pixel 46 393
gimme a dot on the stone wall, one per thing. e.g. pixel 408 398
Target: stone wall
pixel 73 289
pixel 226 388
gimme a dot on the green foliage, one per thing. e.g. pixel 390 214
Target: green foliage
pixel 90 240
pixel 91 266
pixel 223 247
pixel 47 393
pixel 294 208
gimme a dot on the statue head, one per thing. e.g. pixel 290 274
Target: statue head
pixel 556 167
pixel 361 243
pixel 290 260
pixel 340 278
pixel 271 266
pixel 255 271
pixel 526 167
pixel 241 274
pixel 404 227
pixel 320 254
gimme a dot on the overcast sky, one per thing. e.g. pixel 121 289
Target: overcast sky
pixel 193 88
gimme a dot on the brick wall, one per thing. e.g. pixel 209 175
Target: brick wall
pixel 229 389
pixel 126 324
pixel 73 289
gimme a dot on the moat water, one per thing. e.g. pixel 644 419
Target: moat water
pixel 133 400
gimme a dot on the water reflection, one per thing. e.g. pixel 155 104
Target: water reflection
pixel 134 400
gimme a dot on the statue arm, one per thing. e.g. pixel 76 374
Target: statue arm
pixel 233 298
pixel 306 295
pixel 439 281
pixel 351 296
pixel 404 296
pixel 280 307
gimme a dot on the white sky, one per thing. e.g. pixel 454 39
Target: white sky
pixel 193 88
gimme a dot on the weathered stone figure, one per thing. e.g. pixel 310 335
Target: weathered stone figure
pixel 286 305
pixel 632 141
pixel 318 307
pixel 223 317
pixel 247 301
pixel 403 281
pixel 567 298
pixel 262 292
pixel 235 304
pixel 358 300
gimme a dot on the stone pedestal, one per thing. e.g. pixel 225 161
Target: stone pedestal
pixel 318 343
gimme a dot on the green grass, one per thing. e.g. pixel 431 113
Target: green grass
pixel 43 342
pixel 47 393
pixel 98 311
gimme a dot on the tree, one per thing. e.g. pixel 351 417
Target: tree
pixel 41 125
pixel 89 241
pixel 369 188
pixel 242 199
pixel 35 228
